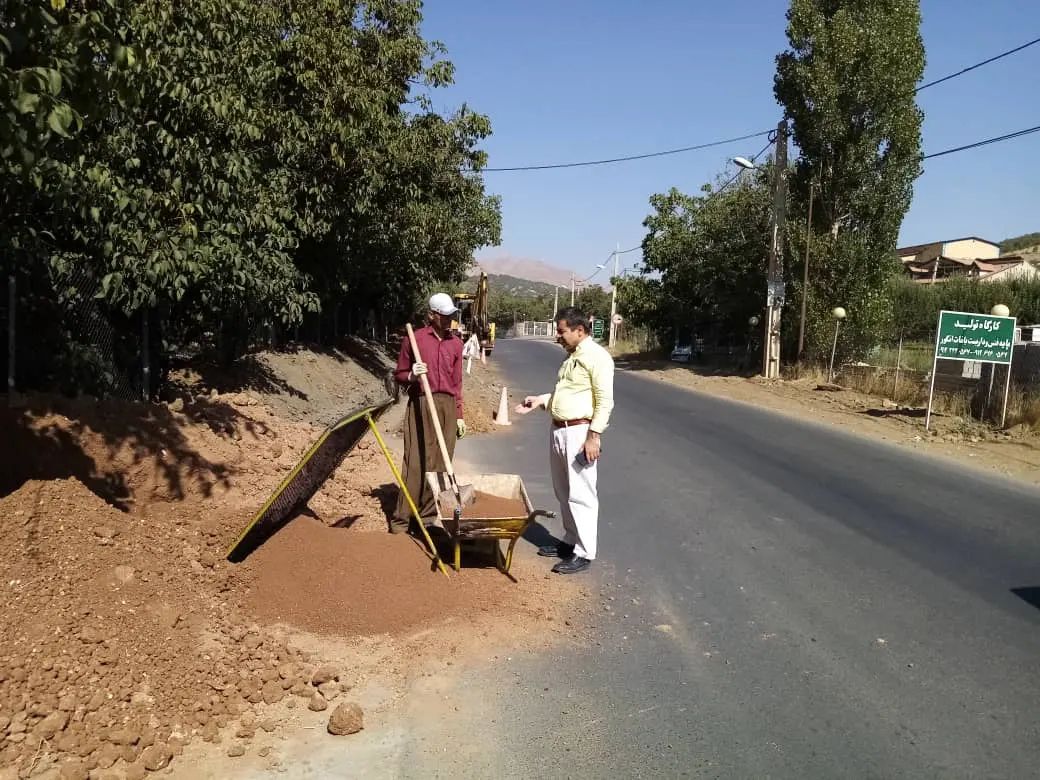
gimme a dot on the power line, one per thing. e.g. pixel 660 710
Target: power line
pixel 970 68
pixel 630 157
pixel 725 141
pixel 987 142
pixel 753 158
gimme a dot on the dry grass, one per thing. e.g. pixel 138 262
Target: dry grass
pixel 1024 408
pixel 637 341
pixel 910 388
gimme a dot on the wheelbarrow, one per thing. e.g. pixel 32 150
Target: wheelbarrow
pixel 471 523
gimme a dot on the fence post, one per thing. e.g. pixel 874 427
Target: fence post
pixel 899 361
pixel 12 302
pixel 146 367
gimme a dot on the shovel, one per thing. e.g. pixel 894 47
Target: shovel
pixel 464 495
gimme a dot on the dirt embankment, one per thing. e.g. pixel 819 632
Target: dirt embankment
pixel 127 635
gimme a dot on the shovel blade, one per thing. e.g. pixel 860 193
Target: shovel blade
pixel 448 498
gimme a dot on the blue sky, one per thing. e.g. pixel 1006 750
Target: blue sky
pixel 587 79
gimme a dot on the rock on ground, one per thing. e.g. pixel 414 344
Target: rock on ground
pixel 347 718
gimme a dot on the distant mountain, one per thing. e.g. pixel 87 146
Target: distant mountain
pixel 1029 242
pixel 525 288
pixel 521 288
pixel 526 268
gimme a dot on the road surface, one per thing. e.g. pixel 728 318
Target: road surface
pixel 788 601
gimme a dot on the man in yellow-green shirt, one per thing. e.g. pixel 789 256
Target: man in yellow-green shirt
pixel 580 407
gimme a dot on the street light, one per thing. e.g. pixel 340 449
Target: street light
pixel 744 163
pixel 839 314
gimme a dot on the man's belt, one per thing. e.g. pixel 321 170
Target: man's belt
pixel 569 423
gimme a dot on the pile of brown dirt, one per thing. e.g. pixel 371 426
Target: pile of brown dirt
pixel 332 581
pixel 119 644
pixel 227 452
pixel 125 632
pixel 481 391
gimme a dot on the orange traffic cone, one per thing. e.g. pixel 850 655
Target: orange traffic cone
pixel 502 417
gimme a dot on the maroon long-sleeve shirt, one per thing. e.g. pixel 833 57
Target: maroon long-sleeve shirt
pixel 443 359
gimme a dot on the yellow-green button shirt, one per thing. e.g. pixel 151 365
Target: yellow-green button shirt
pixel 585 386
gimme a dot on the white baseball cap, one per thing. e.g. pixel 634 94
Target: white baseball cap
pixel 442 304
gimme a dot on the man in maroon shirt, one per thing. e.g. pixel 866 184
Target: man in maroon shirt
pixel 441 353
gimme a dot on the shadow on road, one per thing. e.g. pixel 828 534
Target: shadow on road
pixel 1030 596
pixel 738 367
pixel 538 535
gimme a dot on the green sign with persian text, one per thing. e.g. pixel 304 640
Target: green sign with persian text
pixel 979 337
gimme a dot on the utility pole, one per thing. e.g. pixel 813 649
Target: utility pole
pixel 775 277
pixel 572 288
pixel 556 302
pixel 613 298
pixel 805 274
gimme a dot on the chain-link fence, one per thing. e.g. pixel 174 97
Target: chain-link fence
pixel 67 342
pixel 63 338
pixel 902 371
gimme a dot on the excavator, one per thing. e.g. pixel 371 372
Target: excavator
pixel 473 316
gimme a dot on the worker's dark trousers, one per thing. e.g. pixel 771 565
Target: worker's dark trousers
pixel 422 454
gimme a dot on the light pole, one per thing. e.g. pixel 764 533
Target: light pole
pixel 774 277
pixel 612 338
pixel 752 324
pixel 839 314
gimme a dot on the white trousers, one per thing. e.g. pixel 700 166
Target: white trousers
pixel 575 484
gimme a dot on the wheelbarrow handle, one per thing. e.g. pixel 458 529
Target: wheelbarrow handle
pixel 541 513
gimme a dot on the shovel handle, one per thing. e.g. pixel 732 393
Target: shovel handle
pixel 433 414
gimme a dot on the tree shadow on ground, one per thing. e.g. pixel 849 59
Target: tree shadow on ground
pixel 117 449
pixel 918 413
pixel 247 373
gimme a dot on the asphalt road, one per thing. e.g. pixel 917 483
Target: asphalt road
pixel 774 598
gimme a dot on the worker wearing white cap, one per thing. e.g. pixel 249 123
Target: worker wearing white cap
pixel 441 351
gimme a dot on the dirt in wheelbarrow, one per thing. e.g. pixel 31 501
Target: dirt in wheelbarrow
pixel 488 506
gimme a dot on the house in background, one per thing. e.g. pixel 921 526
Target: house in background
pixel 971 257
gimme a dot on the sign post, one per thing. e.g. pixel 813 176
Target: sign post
pixel 983 338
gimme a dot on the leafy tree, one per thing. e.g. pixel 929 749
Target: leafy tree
pixel 710 251
pixel 503 306
pixel 594 301
pixel 227 165
pixel 916 307
pixel 847 85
